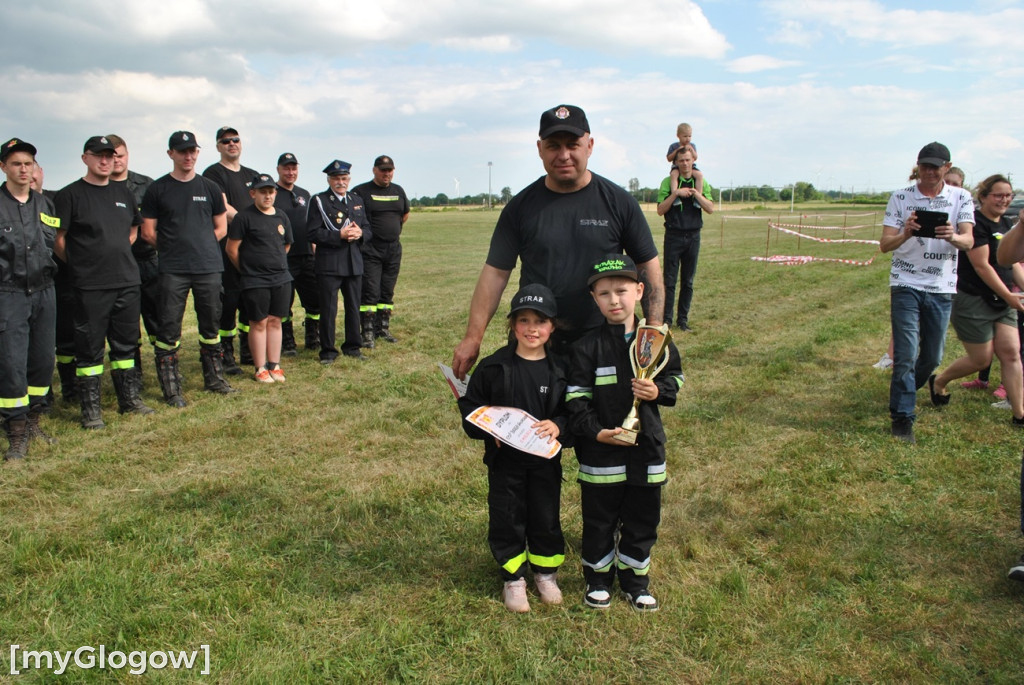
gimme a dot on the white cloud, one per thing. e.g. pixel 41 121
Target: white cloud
pixel 872 21
pixel 755 63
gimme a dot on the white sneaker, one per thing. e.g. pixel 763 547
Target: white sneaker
pixel 514 596
pixel 1001 404
pixel 547 588
pixel 884 363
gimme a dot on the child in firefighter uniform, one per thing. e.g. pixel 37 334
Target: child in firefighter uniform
pixel 620 484
pixel 524 491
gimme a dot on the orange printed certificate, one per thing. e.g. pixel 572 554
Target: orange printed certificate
pixel 514 427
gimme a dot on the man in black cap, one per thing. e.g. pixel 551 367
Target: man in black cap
pixel 145 254
pixel 183 214
pixel 559 226
pixel 922 280
pixel 99 221
pixel 234 180
pixel 337 225
pixel 387 208
pixel 294 202
pixel 27 302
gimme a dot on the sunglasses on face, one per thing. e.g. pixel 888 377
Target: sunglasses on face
pixel 225 141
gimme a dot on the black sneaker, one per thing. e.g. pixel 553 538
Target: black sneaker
pixel 1017 423
pixel 1017 570
pixel 597 597
pixel 642 601
pixel 903 429
pixel 937 399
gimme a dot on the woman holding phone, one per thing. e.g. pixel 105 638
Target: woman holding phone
pixel 985 310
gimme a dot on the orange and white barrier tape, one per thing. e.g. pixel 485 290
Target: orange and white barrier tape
pixel 789 260
pixel 783 229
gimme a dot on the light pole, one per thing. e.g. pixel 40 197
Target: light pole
pixel 489 165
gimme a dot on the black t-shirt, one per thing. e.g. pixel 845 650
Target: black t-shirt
pixel 986 232
pixel 295 204
pixel 184 212
pixel 385 208
pixel 262 259
pixel 559 237
pixel 138 184
pixel 235 184
pixel 531 385
pixel 98 223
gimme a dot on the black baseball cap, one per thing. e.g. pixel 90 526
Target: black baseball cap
pixel 286 158
pixel 182 140
pixel 384 163
pixel 16 145
pixel 933 153
pixel 225 129
pixel 620 265
pixel 98 144
pixel 262 181
pixel 563 118
pixel 536 297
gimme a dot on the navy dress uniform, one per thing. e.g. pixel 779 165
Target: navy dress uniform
pixel 339 262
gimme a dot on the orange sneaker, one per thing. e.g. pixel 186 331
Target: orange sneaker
pixel 262 376
pixel 277 374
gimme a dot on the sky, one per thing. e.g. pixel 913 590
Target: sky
pixel 841 94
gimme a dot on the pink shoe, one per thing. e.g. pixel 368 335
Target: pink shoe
pixel 1000 392
pixel 976 384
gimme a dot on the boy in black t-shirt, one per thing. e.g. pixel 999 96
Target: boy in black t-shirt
pixel 258 240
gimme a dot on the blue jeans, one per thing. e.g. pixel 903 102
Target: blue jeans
pixel 919 322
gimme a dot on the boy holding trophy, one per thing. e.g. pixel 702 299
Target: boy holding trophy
pixel 620 373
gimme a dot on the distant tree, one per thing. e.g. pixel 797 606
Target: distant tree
pixel 506 195
pixel 440 199
pixel 767 193
pixel 634 185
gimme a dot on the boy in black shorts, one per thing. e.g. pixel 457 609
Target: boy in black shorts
pixel 258 240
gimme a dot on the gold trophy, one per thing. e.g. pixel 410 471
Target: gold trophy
pixel 648 354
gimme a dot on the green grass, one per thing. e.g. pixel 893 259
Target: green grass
pixel 334 528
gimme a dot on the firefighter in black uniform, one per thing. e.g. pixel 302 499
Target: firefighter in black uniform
pixel 27 300
pixel 99 220
pixel 294 202
pixel 144 253
pixel 387 208
pixel 620 484
pixel 337 225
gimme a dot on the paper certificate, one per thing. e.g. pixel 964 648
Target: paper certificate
pixel 457 385
pixel 514 427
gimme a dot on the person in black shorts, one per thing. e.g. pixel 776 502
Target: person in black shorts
pixel 294 202
pixel 233 179
pixel 387 209
pixel 258 240
pixel 99 221
pixel 144 253
pixel 337 225
pixel 183 214
pixel 558 226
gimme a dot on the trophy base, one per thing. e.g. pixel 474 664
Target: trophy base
pixel 627 436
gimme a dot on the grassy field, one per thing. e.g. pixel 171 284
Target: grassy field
pixel 333 528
